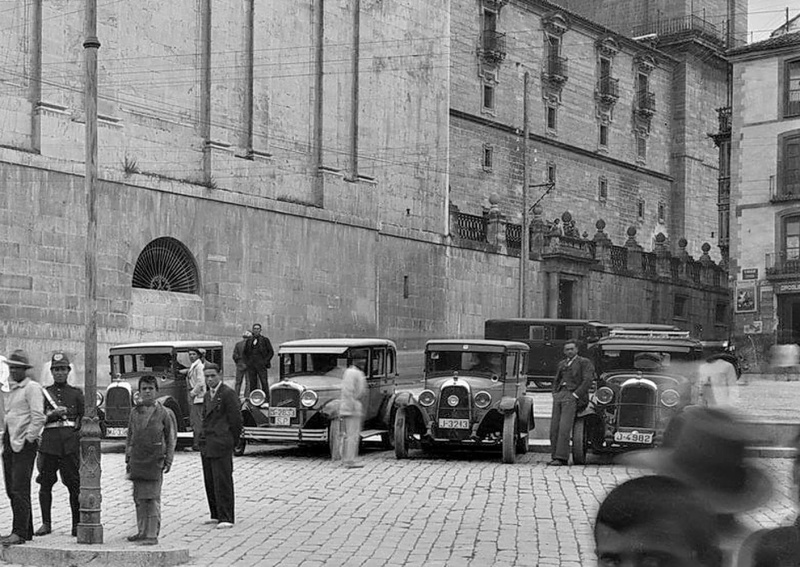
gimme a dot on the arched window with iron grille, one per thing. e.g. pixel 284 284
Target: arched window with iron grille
pixel 167 265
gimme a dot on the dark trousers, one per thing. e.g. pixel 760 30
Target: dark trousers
pixel 257 378
pixel 17 473
pixel 218 478
pixel 561 422
pixel 196 421
pixel 68 467
pixel 240 372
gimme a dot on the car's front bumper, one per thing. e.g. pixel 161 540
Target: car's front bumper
pixel 273 434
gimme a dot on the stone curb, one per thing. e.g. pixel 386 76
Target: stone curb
pixel 67 553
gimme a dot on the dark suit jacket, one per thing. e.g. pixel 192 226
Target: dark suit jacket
pixel 259 354
pixel 222 423
pixel 238 355
pixel 577 377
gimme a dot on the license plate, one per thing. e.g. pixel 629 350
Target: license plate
pixel 454 423
pixel 283 420
pixel 633 437
pixel 282 412
pixel 117 432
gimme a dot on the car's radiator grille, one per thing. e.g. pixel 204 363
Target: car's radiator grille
pixel 286 398
pixel 118 405
pixel 462 408
pixel 637 406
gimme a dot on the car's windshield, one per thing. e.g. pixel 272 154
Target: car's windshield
pixel 442 361
pixel 141 363
pixel 321 364
pixel 647 361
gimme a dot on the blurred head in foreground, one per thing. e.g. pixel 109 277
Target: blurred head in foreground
pixel 655 521
pixel 778 547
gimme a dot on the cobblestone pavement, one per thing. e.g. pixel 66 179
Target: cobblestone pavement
pixel 296 508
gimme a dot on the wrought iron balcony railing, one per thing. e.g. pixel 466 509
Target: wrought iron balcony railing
pixel 493 46
pixel 778 265
pixel 724 116
pixel 608 88
pixel 646 103
pixel 686 25
pixel 557 69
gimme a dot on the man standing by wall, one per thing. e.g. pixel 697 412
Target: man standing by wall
pixel 241 364
pixel 570 390
pixel 23 421
pixel 258 354
pixel 222 426
pixel 60 448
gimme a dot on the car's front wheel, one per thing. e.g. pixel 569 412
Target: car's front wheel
pixel 580 442
pixel 238 449
pixel 401 434
pixel 510 438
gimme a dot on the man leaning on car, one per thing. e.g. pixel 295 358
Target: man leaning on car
pixel 570 390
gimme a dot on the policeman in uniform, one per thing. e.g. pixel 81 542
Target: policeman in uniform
pixel 60 447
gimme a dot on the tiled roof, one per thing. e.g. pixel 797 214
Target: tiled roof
pixel 785 40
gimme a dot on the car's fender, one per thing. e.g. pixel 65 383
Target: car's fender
pixel 507 404
pixel 403 399
pixel 172 404
pixel 331 409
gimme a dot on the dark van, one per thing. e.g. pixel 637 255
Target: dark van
pixel 546 339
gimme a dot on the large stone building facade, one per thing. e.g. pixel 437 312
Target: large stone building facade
pixel 765 192
pixel 323 173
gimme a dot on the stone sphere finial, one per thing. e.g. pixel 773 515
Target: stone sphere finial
pixel 683 243
pixel 660 238
pixel 600 225
pixel 538 210
pixel 494 199
pixel 566 216
pixel 631 231
pixel 706 247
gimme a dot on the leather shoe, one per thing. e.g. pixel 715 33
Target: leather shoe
pixel 12 539
pixel 148 541
pixel 557 463
pixel 44 529
pixel 135 537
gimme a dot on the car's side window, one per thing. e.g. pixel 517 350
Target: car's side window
pixel 511 365
pixel 378 362
pixel 390 357
pixel 523 363
pixel 359 357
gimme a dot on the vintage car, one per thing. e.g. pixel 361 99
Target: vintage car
pixel 302 406
pixel 473 394
pixel 164 360
pixel 645 378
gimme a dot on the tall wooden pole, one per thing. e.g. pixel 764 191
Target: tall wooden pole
pixel 524 244
pixel 90 530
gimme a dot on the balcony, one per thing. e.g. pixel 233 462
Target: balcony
pixel 724 190
pixel 646 104
pixel 724 116
pixel 556 70
pixel 608 90
pixel 686 27
pixel 783 190
pixel 493 46
pixel 778 267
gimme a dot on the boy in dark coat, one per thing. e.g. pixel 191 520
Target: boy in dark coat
pixel 152 435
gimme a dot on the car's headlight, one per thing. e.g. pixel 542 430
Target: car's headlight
pixel 99 398
pixel 670 398
pixel 308 398
pixel 426 398
pixel 482 400
pixel 604 395
pixel 257 397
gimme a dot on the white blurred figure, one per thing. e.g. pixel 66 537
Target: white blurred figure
pixel 785 356
pixel 3 374
pixel 717 380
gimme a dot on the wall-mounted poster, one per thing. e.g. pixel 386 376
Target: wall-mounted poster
pixel 746 297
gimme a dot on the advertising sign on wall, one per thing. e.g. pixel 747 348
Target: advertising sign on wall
pixel 746 297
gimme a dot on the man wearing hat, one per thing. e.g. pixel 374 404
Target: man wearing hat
pixel 241 363
pixel 23 419
pixel 60 449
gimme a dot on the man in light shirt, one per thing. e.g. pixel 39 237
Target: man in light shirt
pixel 196 386
pixel 23 421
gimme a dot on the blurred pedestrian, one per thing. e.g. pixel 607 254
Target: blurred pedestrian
pixel 23 422
pixel 222 427
pixel 149 450
pixel 777 547
pixel 717 380
pixel 258 355
pixel 59 452
pixel 351 412
pixel 707 452
pixel 655 521
pixel 196 388
pixel 570 393
pixel 241 364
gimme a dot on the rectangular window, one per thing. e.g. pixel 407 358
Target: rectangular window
pixel 791 238
pixel 721 313
pixel 792 88
pixel 488 96
pixel 662 212
pixel 642 85
pixel 489 21
pixel 552 118
pixel 640 209
pixel 680 307
pixel 641 148
pixel 551 173
pixel 603 135
pixel 602 189
pixel 605 71
pixel 488 156
pixel 790 170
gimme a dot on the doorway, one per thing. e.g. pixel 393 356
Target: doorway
pixel 566 299
pixel 789 319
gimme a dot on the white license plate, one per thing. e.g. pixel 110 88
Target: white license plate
pixel 454 423
pixel 633 437
pixel 117 432
pixel 282 412
pixel 283 420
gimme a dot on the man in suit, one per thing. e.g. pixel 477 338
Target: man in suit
pixel 258 354
pixel 570 390
pixel 222 426
pixel 241 364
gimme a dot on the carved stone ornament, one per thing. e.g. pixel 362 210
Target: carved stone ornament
pixel 555 23
pixel 607 47
pixel 494 4
pixel 645 63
